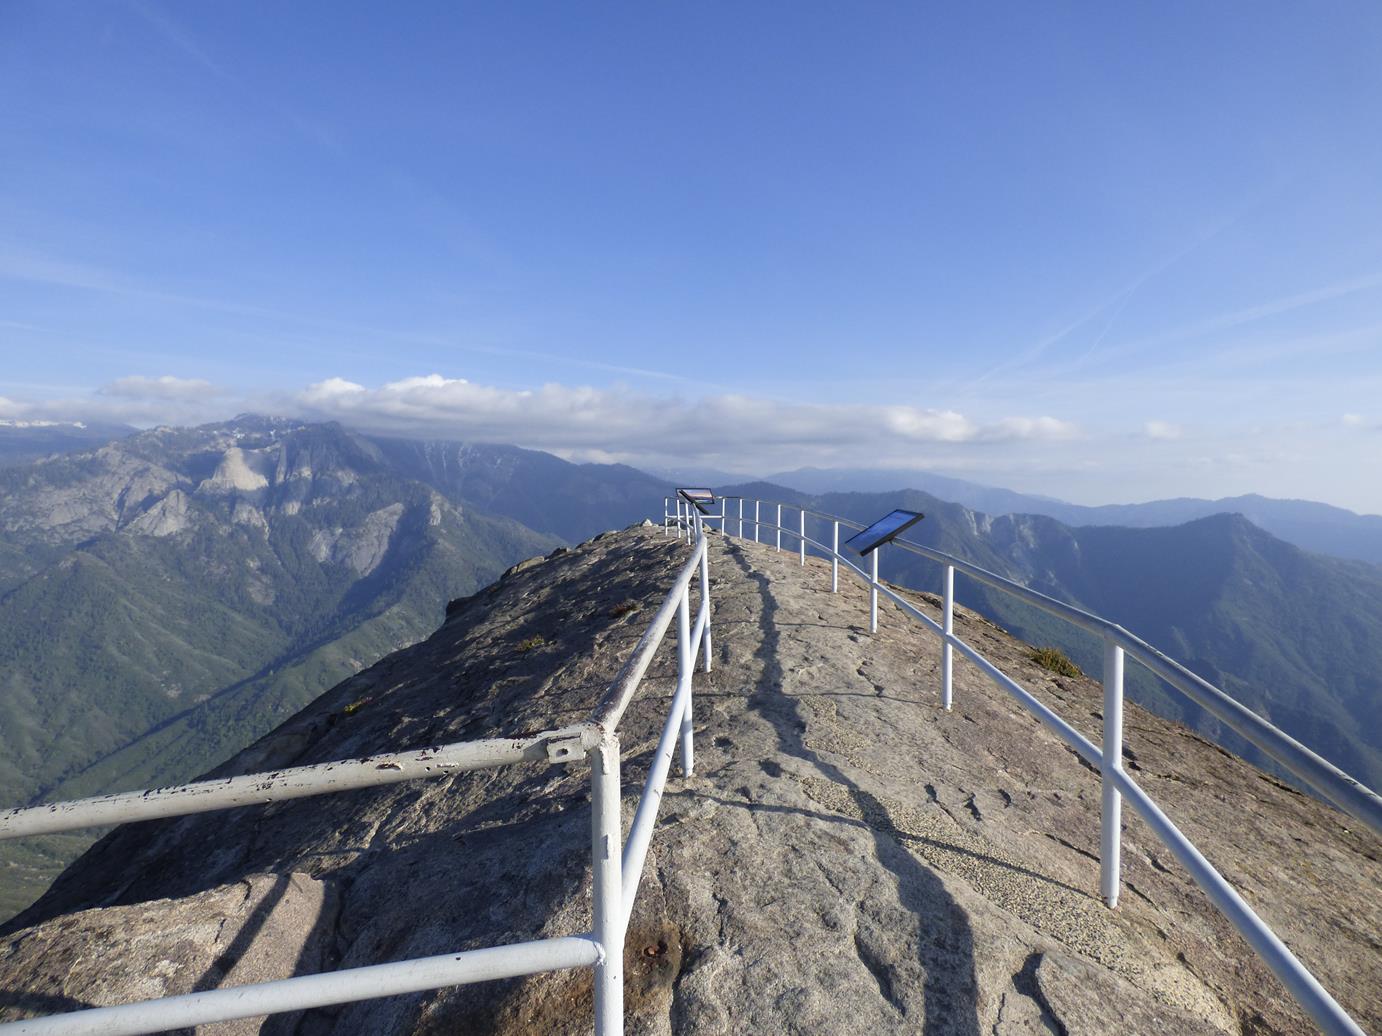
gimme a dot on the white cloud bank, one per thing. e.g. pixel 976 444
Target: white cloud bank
pixel 744 435
pixel 618 423
pixel 136 399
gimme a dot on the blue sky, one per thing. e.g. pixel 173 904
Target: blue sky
pixel 1102 252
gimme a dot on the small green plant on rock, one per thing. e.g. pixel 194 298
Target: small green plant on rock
pixel 529 643
pixel 1055 660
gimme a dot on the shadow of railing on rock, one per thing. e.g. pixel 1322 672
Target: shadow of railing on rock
pixel 945 942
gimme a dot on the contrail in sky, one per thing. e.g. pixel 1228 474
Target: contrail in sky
pixel 1120 298
pixel 1261 311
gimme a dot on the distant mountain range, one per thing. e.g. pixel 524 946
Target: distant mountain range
pixel 1314 526
pixel 23 441
pixel 172 594
pixel 1292 634
pixel 518 483
pixel 169 597
pixel 572 501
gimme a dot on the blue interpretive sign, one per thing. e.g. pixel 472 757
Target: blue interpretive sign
pixel 702 498
pixel 880 532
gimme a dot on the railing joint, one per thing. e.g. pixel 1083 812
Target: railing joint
pixel 570 749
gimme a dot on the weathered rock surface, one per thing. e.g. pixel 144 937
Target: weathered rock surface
pixel 847 858
pixel 158 948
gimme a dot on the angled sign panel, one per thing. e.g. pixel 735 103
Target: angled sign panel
pixel 702 498
pixel 880 532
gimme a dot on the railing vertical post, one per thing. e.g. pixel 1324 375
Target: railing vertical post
pixel 1109 880
pixel 705 605
pixel 723 514
pixel 779 526
pixel 755 521
pixel 606 836
pixel 685 667
pixel 948 630
pixel 802 537
pixel 666 530
pixel 741 517
pixel 873 589
pixel 835 560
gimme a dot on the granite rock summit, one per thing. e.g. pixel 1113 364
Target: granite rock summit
pixel 848 858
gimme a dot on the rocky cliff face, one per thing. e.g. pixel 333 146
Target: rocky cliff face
pixel 847 858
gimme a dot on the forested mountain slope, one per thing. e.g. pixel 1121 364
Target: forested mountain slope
pixel 24 441
pixel 546 493
pixel 168 598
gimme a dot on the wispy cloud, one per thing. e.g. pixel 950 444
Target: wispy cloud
pixel 734 431
pixel 38 268
pixel 42 269
pixel 136 399
pixel 755 435
pixel 1163 430
pixel 185 43
pixel 165 387
pixel 18 325
pixel 1289 302
pixel 180 39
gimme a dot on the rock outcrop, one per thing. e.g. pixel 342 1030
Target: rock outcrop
pixel 847 858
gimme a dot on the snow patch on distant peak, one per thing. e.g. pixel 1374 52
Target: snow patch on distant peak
pixel 10 422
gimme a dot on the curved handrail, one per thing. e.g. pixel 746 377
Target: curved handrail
pixel 616 863
pixel 1340 788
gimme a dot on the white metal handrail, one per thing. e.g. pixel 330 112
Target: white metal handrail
pixel 1116 783
pixel 293 783
pixel 617 863
pixel 1344 791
